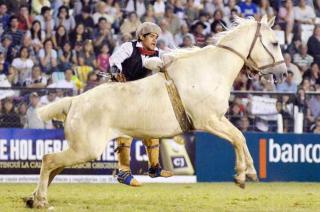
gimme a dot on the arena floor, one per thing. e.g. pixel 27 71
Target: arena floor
pixel 169 197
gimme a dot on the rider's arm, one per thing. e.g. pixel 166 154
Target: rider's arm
pixel 124 51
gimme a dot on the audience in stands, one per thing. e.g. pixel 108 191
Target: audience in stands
pixel 65 44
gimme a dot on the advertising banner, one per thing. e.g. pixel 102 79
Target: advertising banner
pixel 21 152
pixel 277 157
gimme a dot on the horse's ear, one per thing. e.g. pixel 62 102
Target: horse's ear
pixel 264 19
pixel 271 21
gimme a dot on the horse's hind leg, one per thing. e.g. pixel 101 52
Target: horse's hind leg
pixel 224 129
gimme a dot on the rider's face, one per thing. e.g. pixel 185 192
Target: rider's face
pixel 149 41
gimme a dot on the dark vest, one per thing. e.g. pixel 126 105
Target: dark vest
pixel 132 67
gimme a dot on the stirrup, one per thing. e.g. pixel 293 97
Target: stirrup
pixel 157 171
pixel 125 177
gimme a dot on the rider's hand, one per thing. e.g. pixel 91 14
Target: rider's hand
pixel 120 77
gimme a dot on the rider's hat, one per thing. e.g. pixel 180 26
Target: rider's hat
pixel 147 28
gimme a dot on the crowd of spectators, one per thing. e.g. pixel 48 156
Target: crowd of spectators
pixel 67 44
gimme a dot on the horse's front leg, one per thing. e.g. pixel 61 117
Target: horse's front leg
pixel 225 129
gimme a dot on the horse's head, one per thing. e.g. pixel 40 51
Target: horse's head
pixel 265 55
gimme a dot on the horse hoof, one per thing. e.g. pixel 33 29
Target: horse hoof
pixel 252 177
pixel 29 203
pixel 240 183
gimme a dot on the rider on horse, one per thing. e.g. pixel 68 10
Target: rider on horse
pixel 127 64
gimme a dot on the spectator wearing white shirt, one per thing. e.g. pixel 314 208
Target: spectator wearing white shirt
pixel 303 59
pixel 33 121
pixel 159 8
pixel 46 21
pixel 165 35
pixel 48 57
pixel 37 79
pixel 67 82
pixel 101 8
pixel 23 65
pixel 297 76
pixel 304 14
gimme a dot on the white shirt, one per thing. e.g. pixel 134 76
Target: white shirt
pixel 24 67
pixel 159 7
pixel 44 100
pixel 124 52
pixel 306 14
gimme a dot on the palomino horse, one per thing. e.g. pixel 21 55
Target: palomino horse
pixel 142 109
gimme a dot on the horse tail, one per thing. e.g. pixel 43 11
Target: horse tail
pixel 57 110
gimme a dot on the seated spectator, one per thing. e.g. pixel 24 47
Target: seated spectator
pixel 303 59
pixel 46 21
pixel 103 34
pixel 101 8
pixel 188 41
pixel 316 128
pixel 67 82
pixel 136 5
pixel 197 29
pixel 305 84
pixel 78 35
pixel 48 57
pixel 232 5
pixel 244 124
pixel 87 56
pixel 313 74
pixel 159 9
pixel 293 68
pixel 85 18
pixel 179 9
pixel 13 76
pixel 165 35
pixel 218 18
pixel 36 34
pixel 4 17
pixel 4 65
pixel 33 121
pixel 313 109
pixel 288 85
pixel 23 64
pixel 216 27
pixel 9 118
pixel 317 8
pixel 22 112
pixel 103 58
pixel 205 18
pixel 184 31
pixel 314 44
pixel 24 18
pixel 286 19
pixel 60 37
pixel 67 57
pixel 37 5
pixel 211 6
pixel 303 13
pixel 14 32
pixel 63 18
pixel 92 81
pixel 130 24
pixel 149 16
pixel 265 9
pixel 172 20
pixel 49 98
pixel 191 11
pixel 248 8
pixel 37 79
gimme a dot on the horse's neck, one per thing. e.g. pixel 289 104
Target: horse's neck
pixel 241 42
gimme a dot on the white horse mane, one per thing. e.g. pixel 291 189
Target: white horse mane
pixel 186 52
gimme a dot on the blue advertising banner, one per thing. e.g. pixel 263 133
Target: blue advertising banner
pixel 277 157
pixel 21 152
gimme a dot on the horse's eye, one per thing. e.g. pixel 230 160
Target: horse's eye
pixel 275 44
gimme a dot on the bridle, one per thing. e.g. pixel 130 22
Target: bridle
pixel 248 61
